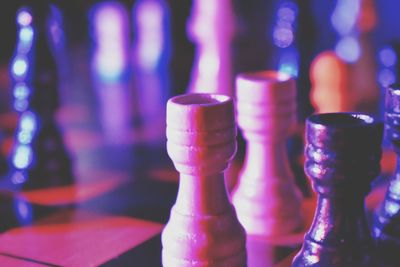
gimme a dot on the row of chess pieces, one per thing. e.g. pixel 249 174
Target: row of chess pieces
pixel 207 227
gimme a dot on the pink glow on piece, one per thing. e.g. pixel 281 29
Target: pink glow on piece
pixel 211 27
pixel 77 238
pixel 203 229
pixel 266 198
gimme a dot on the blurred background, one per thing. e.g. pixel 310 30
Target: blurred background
pixel 317 26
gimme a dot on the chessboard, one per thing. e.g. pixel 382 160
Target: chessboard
pixel 123 182
pixel 114 213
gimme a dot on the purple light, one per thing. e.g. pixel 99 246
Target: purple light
pixel 388 57
pixel 26 34
pixel 21 105
pixel 21 91
pixel 283 33
pixel 24 18
pixel 386 77
pixel 283 37
pixel 19 67
pixel 18 178
pixel 56 22
pixel 345 15
pixel 348 49
pixel 28 122
pixel 22 157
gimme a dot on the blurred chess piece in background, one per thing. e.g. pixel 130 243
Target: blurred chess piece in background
pixel 330 83
pixel 211 27
pixel 110 68
pixel 38 157
pixel 150 64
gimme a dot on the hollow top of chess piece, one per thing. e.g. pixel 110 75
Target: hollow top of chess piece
pixel 201 133
pixel 343 152
pixel 266 104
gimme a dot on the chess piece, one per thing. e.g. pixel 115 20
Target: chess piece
pixel 15 210
pixel 342 158
pixel 151 54
pixel 211 28
pixel 354 22
pixel 3 161
pixel 363 71
pixel 110 68
pixel 387 220
pixel 38 157
pixel 329 77
pixel 203 229
pixel 266 199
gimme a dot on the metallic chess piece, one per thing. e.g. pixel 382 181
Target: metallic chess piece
pixel 342 158
pixel 386 228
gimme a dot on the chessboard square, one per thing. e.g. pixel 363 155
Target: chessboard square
pixel 77 238
pixel 15 262
pixel 88 186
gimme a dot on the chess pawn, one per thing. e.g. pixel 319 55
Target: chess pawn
pixel 342 158
pixel 203 229
pixel 266 198
pixel 387 220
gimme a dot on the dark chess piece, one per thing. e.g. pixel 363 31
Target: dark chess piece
pixel 14 210
pixel 3 161
pixel 343 153
pixel 386 228
pixel 38 158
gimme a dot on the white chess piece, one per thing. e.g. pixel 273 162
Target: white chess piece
pixel 211 28
pixel 266 199
pixel 203 229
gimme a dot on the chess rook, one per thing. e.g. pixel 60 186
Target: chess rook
pixel 266 199
pixel 387 224
pixel 203 229
pixel 342 158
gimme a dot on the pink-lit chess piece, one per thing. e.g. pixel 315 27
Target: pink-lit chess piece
pixel 211 28
pixel 203 229
pixel 266 198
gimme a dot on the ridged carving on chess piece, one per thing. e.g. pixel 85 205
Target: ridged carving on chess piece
pixel 387 220
pixel 266 199
pixel 342 158
pixel 203 229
